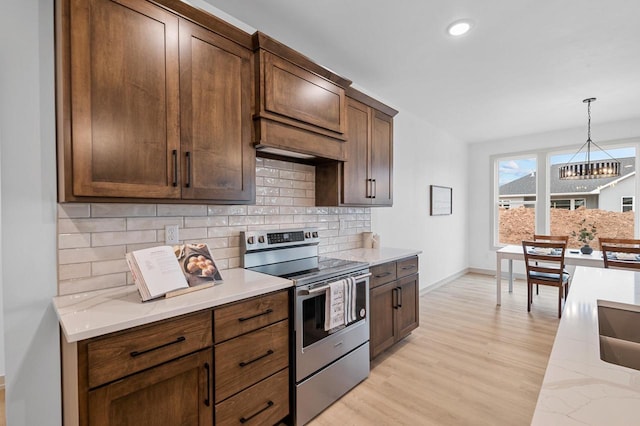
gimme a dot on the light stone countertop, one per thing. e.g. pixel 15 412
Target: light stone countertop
pixel 374 256
pixel 91 314
pixel 578 387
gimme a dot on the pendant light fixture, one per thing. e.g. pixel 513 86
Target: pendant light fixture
pixel 590 169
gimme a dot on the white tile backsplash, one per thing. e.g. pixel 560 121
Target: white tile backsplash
pixel 285 199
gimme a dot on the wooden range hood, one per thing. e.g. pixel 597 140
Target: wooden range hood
pixel 300 106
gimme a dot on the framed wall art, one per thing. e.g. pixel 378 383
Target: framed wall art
pixel 441 200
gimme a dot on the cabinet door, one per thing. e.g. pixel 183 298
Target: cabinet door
pixel 215 105
pixel 124 99
pixel 381 170
pixel 176 393
pixel 355 176
pixel 408 310
pixel 382 303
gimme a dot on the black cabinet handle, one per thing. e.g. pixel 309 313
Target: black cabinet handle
pixel 175 167
pixel 188 156
pixel 399 297
pixel 404 268
pixel 244 364
pixel 267 312
pixel 138 353
pixel 246 419
pixel 384 274
pixel 207 401
pixel 394 298
pixel 375 188
pixel 369 188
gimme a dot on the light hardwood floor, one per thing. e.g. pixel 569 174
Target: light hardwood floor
pixel 469 363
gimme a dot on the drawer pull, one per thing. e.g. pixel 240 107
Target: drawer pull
pixel 246 419
pixel 207 401
pixel 404 268
pixel 138 353
pixel 267 312
pixel 175 167
pixel 384 274
pixel 244 364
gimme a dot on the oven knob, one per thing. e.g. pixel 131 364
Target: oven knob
pixel 362 313
pixel 251 240
pixel 315 234
pixel 307 234
pixel 261 239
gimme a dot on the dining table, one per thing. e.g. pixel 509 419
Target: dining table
pixel 515 252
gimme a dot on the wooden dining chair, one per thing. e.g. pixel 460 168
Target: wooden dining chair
pixel 544 261
pixel 620 253
pixel 542 237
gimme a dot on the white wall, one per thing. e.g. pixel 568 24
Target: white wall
pixel 29 212
pixel 611 196
pixel 481 251
pixel 423 156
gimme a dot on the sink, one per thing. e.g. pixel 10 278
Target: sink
pixel 619 328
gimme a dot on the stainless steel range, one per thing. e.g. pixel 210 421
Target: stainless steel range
pixel 328 363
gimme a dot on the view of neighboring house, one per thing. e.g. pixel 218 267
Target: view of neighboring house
pixel 611 194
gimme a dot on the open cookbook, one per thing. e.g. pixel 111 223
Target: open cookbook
pixel 167 271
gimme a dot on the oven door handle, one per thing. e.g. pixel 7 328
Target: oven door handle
pixel 325 287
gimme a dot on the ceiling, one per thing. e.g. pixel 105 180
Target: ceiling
pixel 524 68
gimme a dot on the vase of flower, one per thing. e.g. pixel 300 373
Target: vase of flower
pixel 585 234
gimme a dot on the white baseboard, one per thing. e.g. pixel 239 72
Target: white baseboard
pixel 492 272
pixel 443 281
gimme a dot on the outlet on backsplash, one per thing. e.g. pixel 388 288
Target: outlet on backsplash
pixel 171 235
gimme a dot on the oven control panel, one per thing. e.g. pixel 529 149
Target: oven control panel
pixel 264 239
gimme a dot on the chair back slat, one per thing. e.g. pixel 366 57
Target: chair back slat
pixel 544 257
pixel 620 253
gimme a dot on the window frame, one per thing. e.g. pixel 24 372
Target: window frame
pixel 633 203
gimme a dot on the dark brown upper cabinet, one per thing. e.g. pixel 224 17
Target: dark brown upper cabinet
pixel 150 105
pixel 366 178
pixel 300 106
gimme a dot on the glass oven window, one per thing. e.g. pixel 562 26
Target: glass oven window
pixel 313 310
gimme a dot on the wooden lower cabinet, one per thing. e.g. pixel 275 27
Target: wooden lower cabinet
pixel 393 305
pixel 176 393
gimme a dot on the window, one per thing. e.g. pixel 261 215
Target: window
pixel 627 204
pixel 571 204
pixel 515 199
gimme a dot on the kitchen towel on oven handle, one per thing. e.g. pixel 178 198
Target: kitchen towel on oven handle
pixel 350 300
pixel 335 306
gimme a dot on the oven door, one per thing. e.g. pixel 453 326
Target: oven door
pixel 317 348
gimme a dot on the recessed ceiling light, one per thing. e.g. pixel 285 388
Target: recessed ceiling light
pixel 459 27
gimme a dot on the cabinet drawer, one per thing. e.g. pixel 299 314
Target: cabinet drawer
pixel 264 403
pixel 118 355
pixel 245 360
pixel 407 267
pixel 243 317
pixel 381 274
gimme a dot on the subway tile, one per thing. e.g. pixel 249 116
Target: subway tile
pixel 310 177
pixel 215 243
pixel 74 270
pixel 292 210
pixel 348 217
pixel 230 231
pixel 305 218
pixel 233 262
pixel 223 264
pixel 271 182
pixel 307 168
pixel 266 227
pixel 99 239
pixel 182 210
pixel 333 225
pixel 267 172
pixel 73 210
pixel 290 192
pixel 278 164
pixel 93 283
pixel 192 233
pixel 234 241
pixel 259 200
pixel 68 226
pixel 227 210
pixel 144 223
pixel 199 222
pixel 142 246
pixel 122 210
pixel 225 253
pixel 91 254
pixel 304 201
pixel 310 193
pixel 271 220
pixel 66 241
pixel 246 220
pixel 287 174
pixel 263 210
pixel 285 183
pixel 259 181
pixel 268 191
pixel 318 210
pixel 109 267
pixel 328 218
pixel 302 185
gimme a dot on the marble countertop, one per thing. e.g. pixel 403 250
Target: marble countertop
pixel 374 256
pixel 578 387
pixel 91 314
